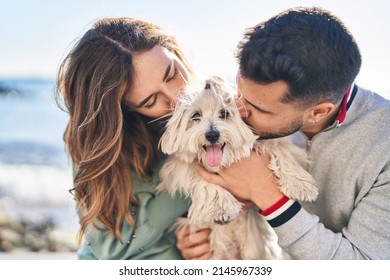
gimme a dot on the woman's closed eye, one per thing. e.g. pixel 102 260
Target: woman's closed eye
pixel 154 98
pixel 152 101
pixel 174 75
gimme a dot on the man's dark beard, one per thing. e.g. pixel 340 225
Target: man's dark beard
pixel 293 127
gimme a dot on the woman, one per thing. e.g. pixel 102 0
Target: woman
pixel 119 80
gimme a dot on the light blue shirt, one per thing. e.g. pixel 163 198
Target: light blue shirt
pixel 152 238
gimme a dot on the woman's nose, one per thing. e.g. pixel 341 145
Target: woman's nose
pixel 174 94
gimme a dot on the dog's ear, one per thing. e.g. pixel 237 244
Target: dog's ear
pixel 222 88
pixel 175 129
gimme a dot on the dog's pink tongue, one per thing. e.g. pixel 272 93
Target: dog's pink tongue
pixel 214 155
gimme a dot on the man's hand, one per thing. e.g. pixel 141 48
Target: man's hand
pixel 250 179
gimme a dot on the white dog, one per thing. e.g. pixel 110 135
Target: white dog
pixel 206 128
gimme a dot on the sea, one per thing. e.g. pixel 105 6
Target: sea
pixel 35 172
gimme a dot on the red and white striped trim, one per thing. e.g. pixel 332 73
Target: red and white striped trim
pixel 270 211
pixel 281 211
pixel 278 208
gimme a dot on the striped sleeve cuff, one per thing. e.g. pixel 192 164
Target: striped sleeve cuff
pixel 280 212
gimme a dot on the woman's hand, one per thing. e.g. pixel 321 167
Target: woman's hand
pixel 195 245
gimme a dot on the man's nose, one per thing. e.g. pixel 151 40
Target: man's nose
pixel 243 112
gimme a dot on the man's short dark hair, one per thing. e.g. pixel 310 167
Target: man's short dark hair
pixel 308 48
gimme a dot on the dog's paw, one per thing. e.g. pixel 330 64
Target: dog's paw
pixel 222 217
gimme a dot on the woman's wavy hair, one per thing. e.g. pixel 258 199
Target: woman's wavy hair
pixel 106 140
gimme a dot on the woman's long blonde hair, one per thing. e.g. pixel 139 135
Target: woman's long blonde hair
pixel 105 140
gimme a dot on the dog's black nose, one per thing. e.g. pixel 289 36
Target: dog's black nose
pixel 212 135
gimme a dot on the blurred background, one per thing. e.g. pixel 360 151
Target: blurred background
pixel 37 212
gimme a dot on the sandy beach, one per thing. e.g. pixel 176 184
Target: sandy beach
pixel 26 255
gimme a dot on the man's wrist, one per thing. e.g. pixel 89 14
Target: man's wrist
pixel 265 201
pixel 274 207
pixel 281 211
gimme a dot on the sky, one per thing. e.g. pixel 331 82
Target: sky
pixel 36 35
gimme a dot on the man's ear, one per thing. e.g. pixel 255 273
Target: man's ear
pixel 321 111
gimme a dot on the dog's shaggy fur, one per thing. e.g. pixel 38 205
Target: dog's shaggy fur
pixel 206 128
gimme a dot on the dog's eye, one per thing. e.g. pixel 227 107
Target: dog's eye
pixel 223 114
pixel 195 117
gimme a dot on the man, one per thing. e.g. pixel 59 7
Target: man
pixel 296 75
